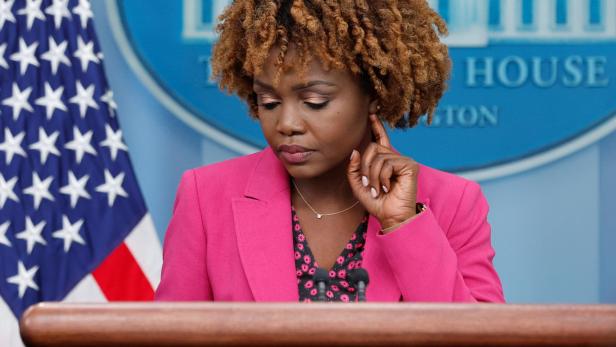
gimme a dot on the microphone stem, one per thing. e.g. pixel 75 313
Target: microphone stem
pixel 321 287
pixel 361 291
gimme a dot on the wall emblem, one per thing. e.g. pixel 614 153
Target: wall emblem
pixel 533 80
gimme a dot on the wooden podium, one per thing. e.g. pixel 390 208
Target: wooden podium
pixel 294 324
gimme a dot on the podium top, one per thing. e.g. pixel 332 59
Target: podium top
pixel 317 324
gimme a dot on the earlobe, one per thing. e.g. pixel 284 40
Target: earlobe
pixel 374 107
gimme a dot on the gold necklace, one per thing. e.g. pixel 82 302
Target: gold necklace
pixel 317 214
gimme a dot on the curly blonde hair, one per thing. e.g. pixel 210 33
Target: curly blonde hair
pixel 393 46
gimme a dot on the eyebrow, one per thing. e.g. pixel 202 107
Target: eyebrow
pixel 297 86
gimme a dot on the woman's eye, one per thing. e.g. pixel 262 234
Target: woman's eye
pixel 269 105
pixel 316 106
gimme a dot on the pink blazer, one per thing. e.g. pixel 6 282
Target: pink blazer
pixel 230 239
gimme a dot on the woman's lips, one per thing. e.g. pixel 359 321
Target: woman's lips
pixel 294 154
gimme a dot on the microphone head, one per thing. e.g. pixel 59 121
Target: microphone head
pixel 359 275
pixel 320 275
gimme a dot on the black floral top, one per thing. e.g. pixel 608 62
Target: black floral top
pixel 338 288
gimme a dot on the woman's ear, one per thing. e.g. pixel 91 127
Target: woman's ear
pixel 373 107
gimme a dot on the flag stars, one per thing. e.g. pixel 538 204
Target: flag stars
pixel 32 234
pixel 32 11
pixel 84 98
pixel 4 227
pixel 85 53
pixel 111 104
pixel 69 233
pixel 76 188
pixel 58 9
pixel 18 100
pixel 81 144
pixel 39 189
pixel 6 190
pixel 84 11
pixel 113 141
pixel 56 55
pixel 112 187
pixel 12 145
pixel 24 278
pixel 6 15
pixel 52 100
pixel 25 57
pixel 46 144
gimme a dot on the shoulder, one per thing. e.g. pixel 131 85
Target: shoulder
pixel 433 182
pixel 227 177
pixel 238 168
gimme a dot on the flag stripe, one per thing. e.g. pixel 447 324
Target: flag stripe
pixel 87 290
pixel 9 328
pixel 120 278
pixel 144 244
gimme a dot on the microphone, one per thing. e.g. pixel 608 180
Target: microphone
pixel 320 279
pixel 360 276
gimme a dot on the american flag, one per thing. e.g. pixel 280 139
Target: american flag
pixel 73 223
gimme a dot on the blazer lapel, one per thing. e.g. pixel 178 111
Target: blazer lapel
pixel 263 228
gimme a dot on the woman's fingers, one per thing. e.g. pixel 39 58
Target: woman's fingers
pixel 378 130
pixel 354 172
pixel 366 160
pixel 376 175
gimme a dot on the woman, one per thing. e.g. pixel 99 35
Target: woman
pixel 329 191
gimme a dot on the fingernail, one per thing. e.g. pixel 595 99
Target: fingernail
pixel 352 155
pixel 364 181
pixel 374 192
pixel 385 189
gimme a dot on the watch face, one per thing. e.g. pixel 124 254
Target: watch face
pixel 532 81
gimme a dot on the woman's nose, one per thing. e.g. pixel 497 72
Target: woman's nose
pixel 290 121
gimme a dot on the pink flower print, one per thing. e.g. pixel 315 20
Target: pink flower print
pixel 332 274
pixel 300 246
pixel 297 255
pixel 295 217
pixel 344 298
pixel 358 264
pixel 298 273
pixel 305 267
pixel 340 260
pixel 313 291
pixel 307 259
pixel 354 236
pixel 349 246
pixel 329 294
pixel 307 300
pixel 312 271
pixel 296 227
pixel 351 265
pixel 342 273
pixel 301 237
pixel 334 288
pixel 309 284
pixel 359 244
pixel 351 289
pixel 345 284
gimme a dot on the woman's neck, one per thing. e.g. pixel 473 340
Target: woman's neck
pixel 329 191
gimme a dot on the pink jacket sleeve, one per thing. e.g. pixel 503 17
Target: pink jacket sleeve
pixel 439 263
pixel 184 274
